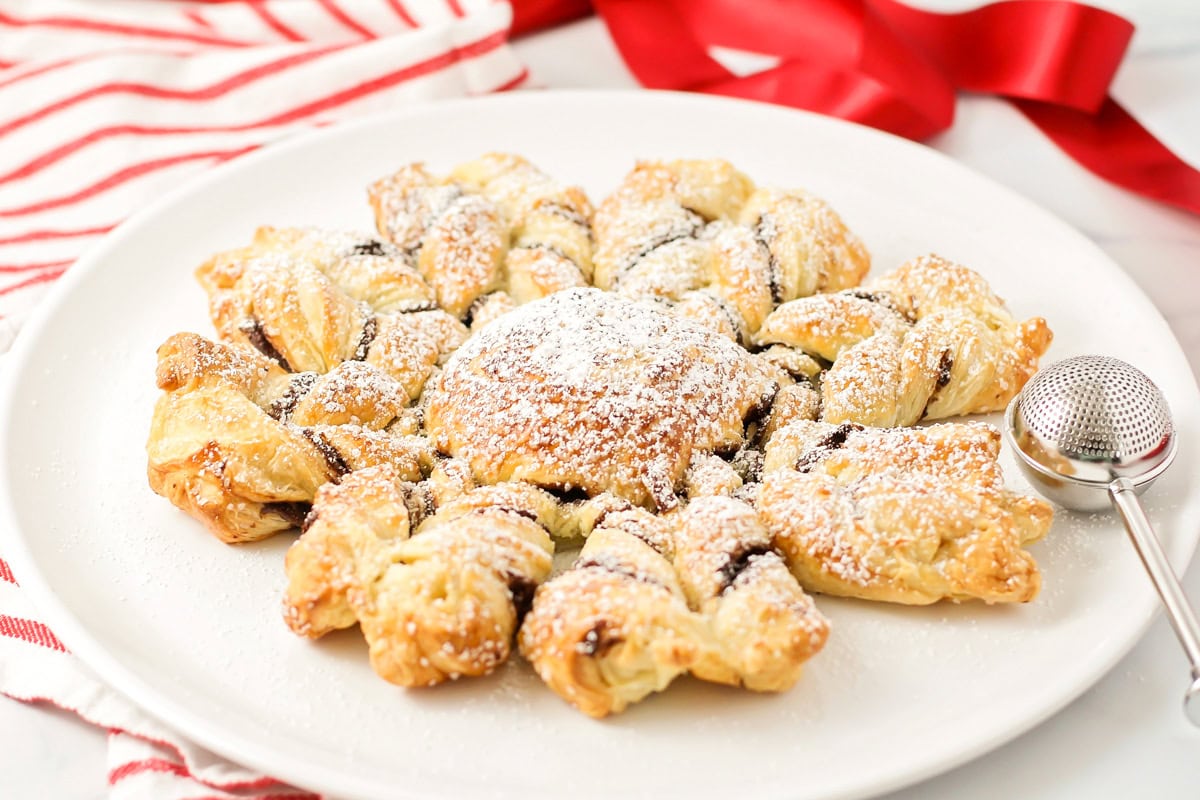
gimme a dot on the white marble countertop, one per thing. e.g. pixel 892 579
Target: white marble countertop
pixel 1126 737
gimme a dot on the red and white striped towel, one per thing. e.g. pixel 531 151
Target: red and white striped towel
pixel 107 104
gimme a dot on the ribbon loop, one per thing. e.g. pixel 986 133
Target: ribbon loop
pixel 885 64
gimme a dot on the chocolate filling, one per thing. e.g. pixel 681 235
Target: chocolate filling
pixel 608 565
pixel 524 513
pixel 598 641
pixel 762 408
pixel 420 504
pixel 625 505
pixel 301 384
pixel 295 514
pixel 881 298
pixel 547 248
pixel 312 516
pixel 737 563
pixel 371 247
pixel 694 224
pixel 332 457
pixel 559 210
pixel 661 490
pixel 826 445
pixel 476 306
pixel 945 367
pixel 774 276
pixel 420 305
pixel 253 328
pixel 566 494
pixel 748 464
pixel 870 297
pixel 521 589
pixel 369 332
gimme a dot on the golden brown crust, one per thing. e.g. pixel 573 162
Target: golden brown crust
pixel 243 446
pixel 457 235
pixel 433 606
pixel 674 228
pixel 614 628
pixel 927 341
pixel 437 405
pixel 581 390
pixel 900 515
pixel 762 625
pixel 550 234
pixel 811 249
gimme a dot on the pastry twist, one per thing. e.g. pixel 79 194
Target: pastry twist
pixel 910 515
pixel 625 621
pixel 927 341
pixel 456 236
pixel 311 300
pixel 697 235
pixel 550 232
pixel 434 606
pixel 243 446
pixel 762 626
pixel 616 626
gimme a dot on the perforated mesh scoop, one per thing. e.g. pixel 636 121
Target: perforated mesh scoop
pixel 1092 431
pixel 1091 419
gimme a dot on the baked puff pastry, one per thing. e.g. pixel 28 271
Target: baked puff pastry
pixel 584 390
pixel 550 232
pixel 313 300
pixel 649 232
pixel 433 606
pixel 926 342
pixel 226 444
pixel 651 598
pixel 809 247
pixel 762 626
pixel 699 237
pixel 912 515
pixel 363 267
pixel 616 627
pixel 456 235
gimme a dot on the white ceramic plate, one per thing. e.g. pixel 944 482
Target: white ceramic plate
pixel 190 629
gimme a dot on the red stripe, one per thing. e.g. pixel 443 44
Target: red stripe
pixel 30 631
pixel 264 782
pixel 50 66
pixel 259 7
pixel 42 236
pixel 332 101
pixel 146 765
pixel 6 574
pixel 7 64
pixel 456 9
pixel 345 19
pixel 73 23
pixel 402 13
pixel 292 796
pixel 122 176
pixel 45 277
pixel 31 267
pixel 194 16
pixel 218 89
pixel 504 87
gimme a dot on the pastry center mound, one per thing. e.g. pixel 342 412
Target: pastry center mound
pixel 584 390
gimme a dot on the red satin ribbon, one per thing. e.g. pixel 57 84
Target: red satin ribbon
pixel 897 68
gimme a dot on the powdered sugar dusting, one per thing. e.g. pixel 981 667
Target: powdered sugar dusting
pixel 584 389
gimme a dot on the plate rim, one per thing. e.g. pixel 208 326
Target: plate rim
pixel 249 752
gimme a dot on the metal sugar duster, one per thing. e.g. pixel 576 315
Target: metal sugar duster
pixel 1093 431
